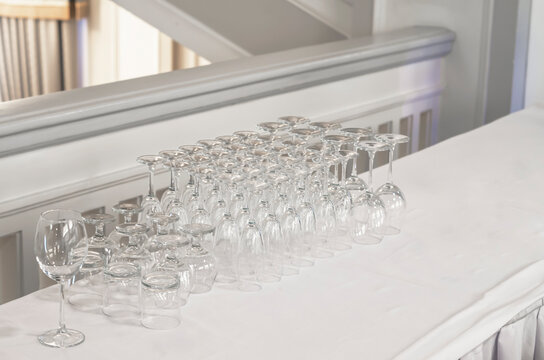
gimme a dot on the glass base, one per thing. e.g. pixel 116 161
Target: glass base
pixel 200 288
pixel 268 277
pixel 301 262
pixel 160 322
pixel 289 271
pixel 248 286
pixel 368 240
pixel 225 278
pixel 321 253
pixel 390 230
pixel 86 301
pixel 61 339
pixel 337 246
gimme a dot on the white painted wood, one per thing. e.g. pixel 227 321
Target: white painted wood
pixel 521 55
pixel 338 14
pixel 138 47
pixel 10 266
pixel 103 46
pixel 185 29
pixel 534 92
pixel 466 67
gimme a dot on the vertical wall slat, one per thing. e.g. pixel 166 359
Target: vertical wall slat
pixel 382 157
pixel 10 267
pixel 405 128
pixel 425 122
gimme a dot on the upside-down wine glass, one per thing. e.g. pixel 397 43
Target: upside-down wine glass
pixel 170 194
pixel 150 203
pixel 391 194
pixel 87 292
pixel 368 212
pixel 354 183
pixel 60 246
pixel 199 260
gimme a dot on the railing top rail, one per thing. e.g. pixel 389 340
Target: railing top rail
pixel 47 120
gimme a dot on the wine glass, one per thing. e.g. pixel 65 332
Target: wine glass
pixel 150 204
pixel 60 246
pixel 170 194
pixel 391 194
pixel 200 261
pixel 354 183
pixel 294 121
pixel 87 292
pixel 368 212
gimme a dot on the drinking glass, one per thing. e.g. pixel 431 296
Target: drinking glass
pixel 160 300
pixel 60 246
pixel 150 204
pixel 134 252
pixel 226 240
pixel 128 211
pixel 121 297
pixel 250 252
pixel 173 250
pixel 169 157
pixel 391 195
pixel 86 293
pixel 199 260
pixel 354 183
pixel 368 212
pixel 98 242
pixel 294 121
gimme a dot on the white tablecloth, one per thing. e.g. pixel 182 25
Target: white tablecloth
pixel 469 259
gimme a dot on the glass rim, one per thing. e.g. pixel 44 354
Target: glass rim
pixel 71 215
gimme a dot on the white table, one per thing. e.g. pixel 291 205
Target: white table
pixel 468 259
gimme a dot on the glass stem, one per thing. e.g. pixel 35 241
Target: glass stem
pixel 172 179
pixel 390 170
pixel 325 180
pixel 151 186
pixel 370 167
pixel 128 218
pixel 344 165
pixel 354 163
pixel 99 232
pixel 62 325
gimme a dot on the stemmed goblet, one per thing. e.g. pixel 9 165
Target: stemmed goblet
pixel 170 194
pixel 199 260
pixel 87 292
pixel 60 246
pixel 150 203
pixel 391 194
pixel 353 181
pixel 368 212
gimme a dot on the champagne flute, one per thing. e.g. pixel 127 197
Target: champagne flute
pixel 60 246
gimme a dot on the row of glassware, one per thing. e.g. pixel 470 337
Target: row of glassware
pixel 241 210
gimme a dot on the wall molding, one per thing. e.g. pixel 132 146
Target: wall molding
pixel 48 120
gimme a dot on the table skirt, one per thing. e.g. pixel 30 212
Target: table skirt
pixel 522 338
